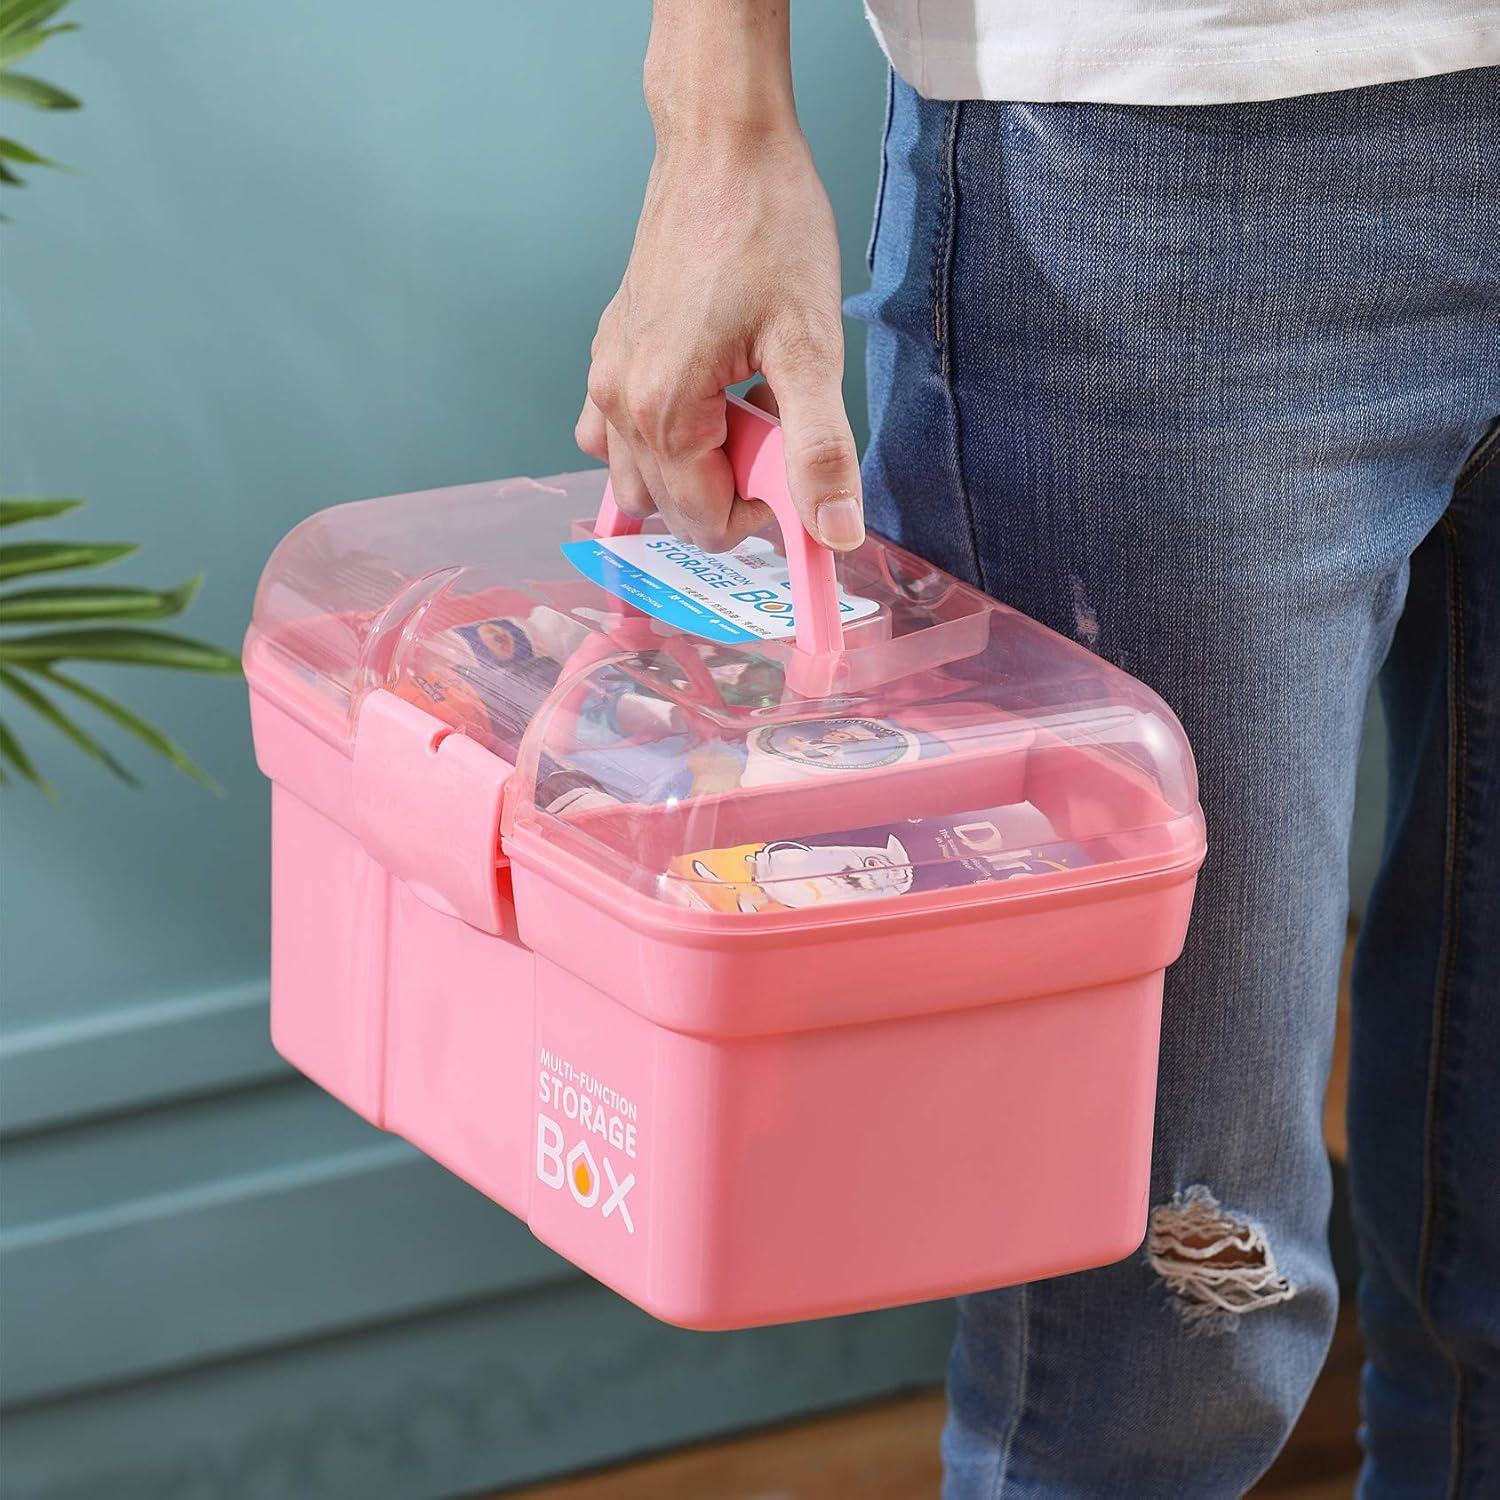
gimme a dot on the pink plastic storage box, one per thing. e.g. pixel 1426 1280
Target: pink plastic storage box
pixel 774 951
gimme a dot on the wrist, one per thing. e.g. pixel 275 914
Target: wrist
pixel 718 128
pixel 720 71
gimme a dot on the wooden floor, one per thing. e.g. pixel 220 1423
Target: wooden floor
pixel 888 1451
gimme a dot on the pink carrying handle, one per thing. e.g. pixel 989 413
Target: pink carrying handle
pixel 759 465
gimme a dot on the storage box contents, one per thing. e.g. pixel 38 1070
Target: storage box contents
pixel 775 945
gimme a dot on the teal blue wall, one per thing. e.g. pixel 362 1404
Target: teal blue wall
pixel 314 251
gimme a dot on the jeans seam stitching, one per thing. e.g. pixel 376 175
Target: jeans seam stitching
pixel 940 267
pixel 1486 451
pixel 942 324
pixel 885 141
pixel 1023 1363
pixel 1447 963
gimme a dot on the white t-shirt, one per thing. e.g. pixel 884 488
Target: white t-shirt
pixel 1176 51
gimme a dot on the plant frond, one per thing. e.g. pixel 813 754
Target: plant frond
pixel 23 15
pixel 144 648
pixel 132 723
pixel 18 559
pixel 15 45
pixel 12 753
pixel 45 708
pixel 16 509
pixel 14 151
pixel 22 88
pixel 96 602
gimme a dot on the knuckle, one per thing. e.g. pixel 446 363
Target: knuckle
pixel 683 430
pixel 830 455
pixel 673 441
pixel 702 526
pixel 711 537
pixel 663 403
pixel 649 403
pixel 810 344
pixel 586 434
pixel 604 331
pixel 604 390
pixel 641 407
pixel 634 502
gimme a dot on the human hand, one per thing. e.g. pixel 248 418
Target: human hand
pixel 734 271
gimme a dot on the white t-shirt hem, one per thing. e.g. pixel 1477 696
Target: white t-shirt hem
pixel 1085 67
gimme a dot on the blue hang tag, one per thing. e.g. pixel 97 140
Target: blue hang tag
pixel 740 595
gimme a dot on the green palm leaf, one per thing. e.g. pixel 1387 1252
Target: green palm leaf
pixel 22 88
pixel 132 723
pixel 29 659
pixel 20 558
pixel 11 752
pixel 23 15
pixel 14 151
pixel 18 44
pixel 100 602
pixel 45 708
pixel 146 648
pixel 15 510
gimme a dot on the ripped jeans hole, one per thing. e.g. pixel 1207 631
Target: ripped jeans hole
pixel 1085 618
pixel 1218 1265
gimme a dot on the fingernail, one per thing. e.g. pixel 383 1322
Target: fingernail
pixel 841 523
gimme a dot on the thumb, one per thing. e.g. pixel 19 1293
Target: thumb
pixel 822 464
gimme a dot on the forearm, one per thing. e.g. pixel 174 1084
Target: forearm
pixel 734 270
pixel 720 69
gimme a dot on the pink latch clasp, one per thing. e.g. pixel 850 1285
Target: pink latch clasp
pixel 427 807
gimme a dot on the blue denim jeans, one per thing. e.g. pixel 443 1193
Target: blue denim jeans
pixel 1213 390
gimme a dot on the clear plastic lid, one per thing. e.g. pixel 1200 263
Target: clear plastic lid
pixel 950 743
